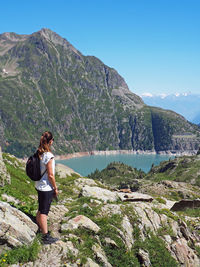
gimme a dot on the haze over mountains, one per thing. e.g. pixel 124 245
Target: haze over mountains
pixel 186 104
pixel 47 84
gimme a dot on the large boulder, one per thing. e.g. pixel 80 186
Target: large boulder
pixel 186 204
pixel 16 228
pixel 4 175
pixel 134 196
pixel 100 193
pixel 82 222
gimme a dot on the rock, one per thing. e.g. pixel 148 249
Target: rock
pixel 184 254
pixel 80 182
pixel 4 175
pixel 148 217
pixel 80 221
pixel 16 228
pixel 128 232
pixel 110 242
pixel 186 203
pixel 100 254
pixel 85 205
pixel 143 257
pixel 167 239
pixel 70 248
pixel 95 201
pixel 56 214
pixel 96 192
pixel 134 197
pixel 169 204
pixel 110 209
pixel 54 255
pixel 169 184
pixel 63 170
pixel 90 263
pixel 11 199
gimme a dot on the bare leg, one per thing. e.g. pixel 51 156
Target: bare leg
pixel 37 218
pixel 42 222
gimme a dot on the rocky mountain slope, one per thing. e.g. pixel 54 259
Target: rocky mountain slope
pixel 97 226
pixel 46 83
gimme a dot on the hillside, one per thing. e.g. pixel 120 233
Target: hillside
pixel 180 169
pixel 47 84
pixel 96 226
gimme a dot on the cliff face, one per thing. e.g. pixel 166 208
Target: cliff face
pixel 46 83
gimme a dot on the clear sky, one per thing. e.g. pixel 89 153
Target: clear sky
pixel 153 44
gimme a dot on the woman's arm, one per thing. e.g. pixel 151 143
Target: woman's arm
pixel 51 176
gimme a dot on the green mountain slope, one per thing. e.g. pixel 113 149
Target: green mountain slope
pixel 45 83
pixel 180 169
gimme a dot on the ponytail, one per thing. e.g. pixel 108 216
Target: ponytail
pixel 44 143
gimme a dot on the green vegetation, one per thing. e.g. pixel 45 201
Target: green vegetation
pixel 167 212
pixel 161 200
pixel 21 254
pixel 180 169
pixel 21 187
pixel 158 253
pixel 189 212
pixel 119 175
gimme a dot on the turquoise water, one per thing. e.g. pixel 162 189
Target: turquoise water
pixel 88 164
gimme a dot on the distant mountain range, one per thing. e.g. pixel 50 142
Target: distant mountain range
pixel 47 84
pixel 186 104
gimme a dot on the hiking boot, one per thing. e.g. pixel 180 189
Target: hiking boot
pixel 48 239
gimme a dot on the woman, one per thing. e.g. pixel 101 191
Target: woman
pixel 46 186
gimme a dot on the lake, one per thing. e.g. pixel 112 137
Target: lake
pixel 86 165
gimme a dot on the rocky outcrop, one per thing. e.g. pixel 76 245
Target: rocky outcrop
pixel 133 197
pixel 92 227
pixel 82 222
pixel 100 255
pixel 185 204
pixel 99 193
pixel 15 227
pixel 63 171
pixel 4 175
pixel 106 195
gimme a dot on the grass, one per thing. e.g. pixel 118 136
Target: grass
pixel 21 254
pixel 90 211
pixel 190 212
pixel 168 213
pixel 158 253
pixel 21 186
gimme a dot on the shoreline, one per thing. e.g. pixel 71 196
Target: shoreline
pixel 117 152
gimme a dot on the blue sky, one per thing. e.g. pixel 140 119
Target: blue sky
pixel 153 44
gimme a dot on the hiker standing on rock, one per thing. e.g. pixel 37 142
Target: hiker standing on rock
pixel 46 186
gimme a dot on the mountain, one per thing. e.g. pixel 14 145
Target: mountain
pixel 47 84
pixel 186 104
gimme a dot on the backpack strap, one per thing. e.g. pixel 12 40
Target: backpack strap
pixel 43 173
pixel 45 170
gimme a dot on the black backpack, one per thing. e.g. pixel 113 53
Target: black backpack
pixel 33 167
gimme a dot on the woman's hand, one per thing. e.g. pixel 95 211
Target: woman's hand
pixel 56 191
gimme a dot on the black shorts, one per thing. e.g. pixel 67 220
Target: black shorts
pixel 44 200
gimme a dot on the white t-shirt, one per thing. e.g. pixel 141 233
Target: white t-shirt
pixel 44 184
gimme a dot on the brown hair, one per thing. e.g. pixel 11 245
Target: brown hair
pixel 44 143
